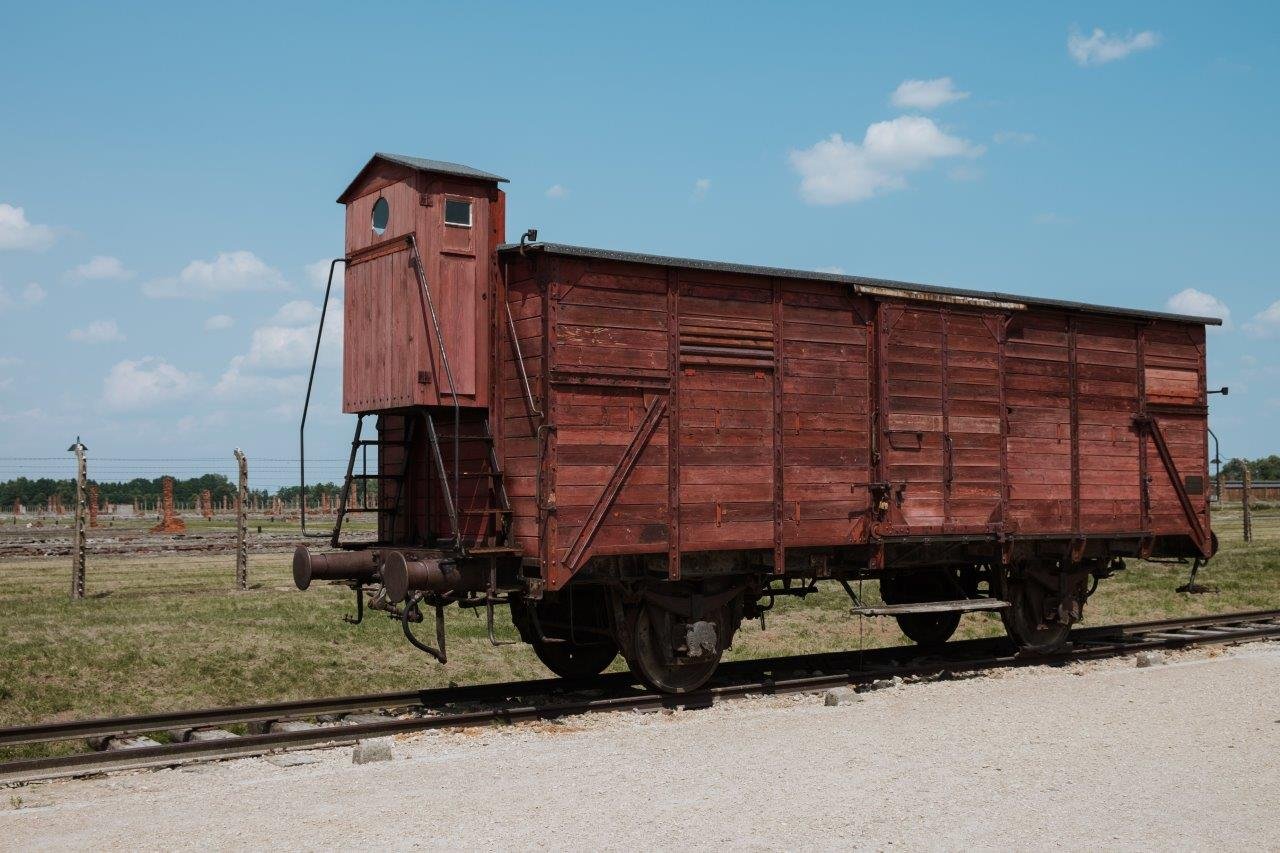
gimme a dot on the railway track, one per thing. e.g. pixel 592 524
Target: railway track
pixel 512 702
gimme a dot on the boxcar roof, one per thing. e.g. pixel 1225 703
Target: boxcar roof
pixel 423 165
pixel 868 285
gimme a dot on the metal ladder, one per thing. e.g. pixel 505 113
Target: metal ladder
pixel 498 505
pixel 400 479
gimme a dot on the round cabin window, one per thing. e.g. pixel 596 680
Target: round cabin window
pixel 381 215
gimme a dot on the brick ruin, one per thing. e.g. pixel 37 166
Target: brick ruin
pixel 170 522
pixel 206 504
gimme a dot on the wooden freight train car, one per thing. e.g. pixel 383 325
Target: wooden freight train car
pixel 638 452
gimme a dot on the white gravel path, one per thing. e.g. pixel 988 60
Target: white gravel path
pixel 1180 756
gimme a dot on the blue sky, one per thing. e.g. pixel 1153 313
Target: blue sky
pixel 168 175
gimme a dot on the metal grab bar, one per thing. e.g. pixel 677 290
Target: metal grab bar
pixel 524 377
pixel 306 405
pixel 429 304
pixel 515 350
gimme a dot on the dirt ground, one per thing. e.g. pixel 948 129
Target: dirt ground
pixel 1184 755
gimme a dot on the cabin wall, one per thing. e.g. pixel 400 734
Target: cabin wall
pixel 391 356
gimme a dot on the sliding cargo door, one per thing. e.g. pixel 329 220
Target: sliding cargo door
pixel 911 441
pixel 941 438
pixel 974 443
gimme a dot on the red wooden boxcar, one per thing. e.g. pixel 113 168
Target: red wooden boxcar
pixel 637 452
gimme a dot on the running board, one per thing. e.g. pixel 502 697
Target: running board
pixel 960 606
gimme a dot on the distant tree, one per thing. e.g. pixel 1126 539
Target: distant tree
pixel 36 493
pixel 1265 468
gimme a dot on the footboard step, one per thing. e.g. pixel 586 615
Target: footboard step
pixel 961 605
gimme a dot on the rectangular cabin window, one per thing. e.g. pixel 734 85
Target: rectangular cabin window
pixel 457 213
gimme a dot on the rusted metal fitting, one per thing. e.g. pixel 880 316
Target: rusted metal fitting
pixel 400 575
pixel 338 566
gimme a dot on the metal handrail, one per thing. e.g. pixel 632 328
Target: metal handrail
pixel 524 377
pixel 306 405
pixel 516 351
pixel 416 260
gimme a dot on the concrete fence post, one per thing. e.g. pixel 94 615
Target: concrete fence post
pixel 1246 483
pixel 78 532
pixel 242 522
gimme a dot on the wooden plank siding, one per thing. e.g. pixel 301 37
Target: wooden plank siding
pixel 391 357
pixel 788 400
pixel 826 413
pixel 1177 351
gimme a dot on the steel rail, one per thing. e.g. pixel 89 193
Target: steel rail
pixel 762 676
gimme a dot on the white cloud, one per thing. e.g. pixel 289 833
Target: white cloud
pixel 17 233
pixel 97 332
pixel 1004 137
pixel 229 272
pixel 101 268
pixel 218 322
pixel 281 347
pixel 965 172
pixel 1199 304
pixel 32 294
pixel 1050 218
pixel 145 382
pixel 286 343
pixel 318 274
pixel 188 424
pixel 557 191
pixel 1098 48
pixel 1266 322
pixel 297 313
pixel 926 94
pixel 834 171
pixel 701 187
pixel 234 382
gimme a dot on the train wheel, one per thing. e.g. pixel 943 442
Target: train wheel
pixel 652 661
pixel 576 660
pixel 924 629
pixel 929 629
pixel 1025 624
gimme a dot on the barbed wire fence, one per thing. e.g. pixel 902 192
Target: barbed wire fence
pixel 51 503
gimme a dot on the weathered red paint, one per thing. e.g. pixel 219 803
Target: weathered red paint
pixel 795 413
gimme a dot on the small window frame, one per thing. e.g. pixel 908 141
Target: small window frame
pixel 382 203
pixel 470 207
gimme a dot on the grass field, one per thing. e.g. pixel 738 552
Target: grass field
pixel 167 631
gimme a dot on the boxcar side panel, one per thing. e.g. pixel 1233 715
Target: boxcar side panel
pixel 1106 393
pixel 726 461
pixel 913 430
pixel 1037 388
pixel 1022 421
pixel 826 414
pixel 518 426
pixel 974 433
pixel 1174 381
pixel 609 379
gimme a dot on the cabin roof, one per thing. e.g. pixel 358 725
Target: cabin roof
pixel 421 164
pixel 869 286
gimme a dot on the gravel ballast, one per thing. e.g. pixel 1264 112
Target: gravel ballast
pixel 1184 755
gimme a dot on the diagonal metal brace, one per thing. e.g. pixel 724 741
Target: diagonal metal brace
pixel 1152 426
pixel 581 547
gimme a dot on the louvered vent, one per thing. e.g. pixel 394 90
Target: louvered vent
pixel 727 343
